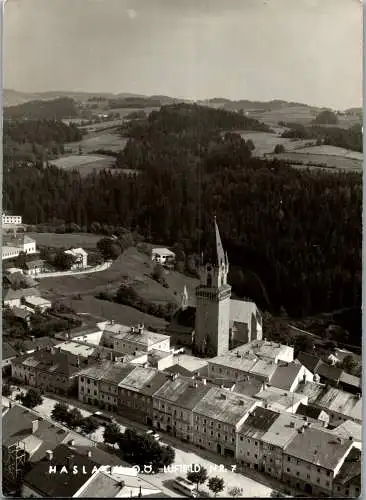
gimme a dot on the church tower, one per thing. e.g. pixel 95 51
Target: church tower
pixel 213 300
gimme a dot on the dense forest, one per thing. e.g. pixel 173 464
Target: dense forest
pixel 55 109
pixel 350 138
pixel 134 102
pixel 293 237
pixel 30 139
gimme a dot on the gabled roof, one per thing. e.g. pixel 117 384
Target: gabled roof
pixel 53 361
pixel 21 312
pixel 17 426
pixel 260 419
pixel 329 372
pixel 309 411
pixel 285 375
pixel 351 380
pixel 10 294
pixel 319 447
pixel 34 263
pixel 8 351
pixel 309 361
pixel 40 342
pixel 350 472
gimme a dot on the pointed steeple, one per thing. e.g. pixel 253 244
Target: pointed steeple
pixel 214 252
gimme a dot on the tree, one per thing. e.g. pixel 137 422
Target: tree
pixel 60 412
pixel 279 148
pixel 74 418
pixel 112 433
pixel 235 492
pixel 216 484
pixel 350 365
pixel 63 261
pixel 326 117
pixel 199 477
pixel 88 425
pixel 158 272
pixel 6 390
pixel 108 248
pixel 168 455
pixel 31 398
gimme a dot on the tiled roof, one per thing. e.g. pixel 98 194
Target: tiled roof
pixel 34 263
pixel 17 426
pixel 318 447
pixel 284 428
pixel 21 312
pixel 350 380
pixel 40 342
pixel 335 400
pixel 328 372
pixel 223 405
pixel 60 363
pixel 182 392
pixel 309 411
pixel 309 361
pixel 350 470
pixel 349 429
pixel 18 294
pixel 260 419
pixel 312 390
pixel 8 351
pixel 285 375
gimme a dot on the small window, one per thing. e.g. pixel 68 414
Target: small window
pixel 288 470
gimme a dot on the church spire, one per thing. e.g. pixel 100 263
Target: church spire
pixel 214 252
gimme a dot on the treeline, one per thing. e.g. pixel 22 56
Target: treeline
pixel 134 102
pixel 32 139
pixel 350 138
pixel 293 236
pixel 56 109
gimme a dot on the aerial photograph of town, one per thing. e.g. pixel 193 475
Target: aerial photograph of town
pixel 181 249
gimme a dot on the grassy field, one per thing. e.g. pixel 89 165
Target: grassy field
pixel 103 140
pixel 265 142
pixel 101 309
pixel 132 267
pixel 84 240
pixel 86 164
pixel 331 161
pixel 333 151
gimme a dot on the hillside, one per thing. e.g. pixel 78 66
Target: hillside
pixel 56 109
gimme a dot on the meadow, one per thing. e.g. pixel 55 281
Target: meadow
pixel 84 240
pixel 85 164
pixel 265 142
pixel 105 140
pixel 317 160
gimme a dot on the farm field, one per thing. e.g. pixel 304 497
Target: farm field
pixel 84 240
pixel 265 142
pixel 102 140
pixel 331 161
pixel 333 151
pixel 297 114
pixel 86 164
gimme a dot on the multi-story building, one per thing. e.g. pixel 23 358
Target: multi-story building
pixel 135 393
pixel 48 369
pixel 274 441
pixel 249 446
pixel 347 482
pixel 340 406
pixel 80 258
pixel 280 400
pixel 128 339
pixel 173 404
pixel 313 459
pixel 217 418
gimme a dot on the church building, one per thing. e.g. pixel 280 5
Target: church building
pixel 209 319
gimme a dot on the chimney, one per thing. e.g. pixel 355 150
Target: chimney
pixel 78 361
pixel 351 438
pixel 301 430
pixel 72 442
pixel 241 402
pixel 292 424
pixel 204 381
pixel 89 454
pixel 34 426
pixel 32 338
pixel 49 455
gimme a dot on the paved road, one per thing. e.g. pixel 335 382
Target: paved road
pixel 96 269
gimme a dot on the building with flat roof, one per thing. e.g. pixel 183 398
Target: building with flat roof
pixel 313 459
pixel 218 417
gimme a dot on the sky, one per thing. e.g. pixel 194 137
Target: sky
pixel 306 51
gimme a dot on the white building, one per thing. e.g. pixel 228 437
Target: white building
pixel 162 255
pixel 81 258
pixel 11 219
pixel 14 245
pixel 126 339
pixel 34 302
